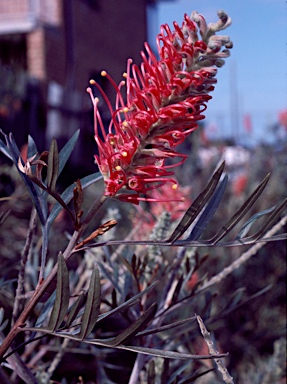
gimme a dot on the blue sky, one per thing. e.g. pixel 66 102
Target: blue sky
pixel 257 66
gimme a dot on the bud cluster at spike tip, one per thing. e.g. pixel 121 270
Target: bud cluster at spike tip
pixel 165 98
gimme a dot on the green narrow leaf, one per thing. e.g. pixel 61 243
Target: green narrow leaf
pixel 135 327
pixel 67 150
pixel 127 303
pixel 45 310
pixel 241 211
pixel 164 328
pixel 247 226
pixel 53 166
pixel 32 149
pixel 73 313
pixel 143 350
pixel 92 308
pixel 209 211
pixel 165 354
pixel 270 221
pixel 62 295
pixel 196 206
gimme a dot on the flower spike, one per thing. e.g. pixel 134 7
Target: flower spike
pixel 165 98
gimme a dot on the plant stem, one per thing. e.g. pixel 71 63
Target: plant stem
pixel 138 365
pixel 213 351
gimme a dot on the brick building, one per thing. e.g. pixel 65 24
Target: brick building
pixel 49 49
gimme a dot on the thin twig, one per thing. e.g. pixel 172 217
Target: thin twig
pixel 213 351
pixel 243 258
pixel 24 258
pixel 57 358
pixel 138 365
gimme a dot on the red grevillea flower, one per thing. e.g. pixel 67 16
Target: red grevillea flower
pixel 165 98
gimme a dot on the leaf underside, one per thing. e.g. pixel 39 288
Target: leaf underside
pixel 62 295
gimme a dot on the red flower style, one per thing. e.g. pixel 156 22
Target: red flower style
pixel 165 99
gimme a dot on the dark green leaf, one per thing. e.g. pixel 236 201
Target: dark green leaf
pixel 67 150
pixel 32 149
pixel 135 327
pixel 163 353
pixel 73 312
pixel 45 310
pixel 270 221
pixel 127 303
pixel 247 226
pixel 92 308
pixel 241 211
pixel 143 350
pixel 62 295
pixel 111 275
pixel 196 206
pixel 165 327
pixel 53 166
pixel 209 211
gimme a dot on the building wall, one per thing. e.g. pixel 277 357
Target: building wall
pixel 103 37
pixel 85 35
